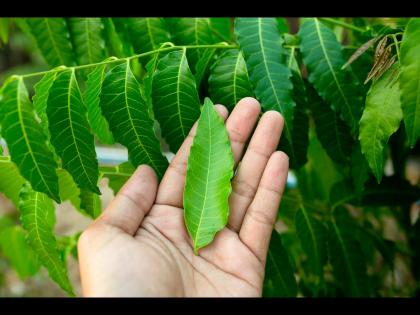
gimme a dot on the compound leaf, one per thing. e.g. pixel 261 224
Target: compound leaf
pixel 10 180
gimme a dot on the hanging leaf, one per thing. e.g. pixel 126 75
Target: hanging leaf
pixel 53 39
pixel 25 139
pixel 191 31
pixel 93 90
pixel 410 80
pixel 346 256
pixel 86 35
pixel 221 28
pixel 279 279
pixel 228 80
pixel 68 188
pixel 323 57
pixel 42 91
pixel 381 118
pixel 127 114
pixel 313 238
pixel 117 175
pixel 300 141
pixel 112 40
pixel 90 204
pixel 203 65
pixel 69 129
pixel 38 219
pixel 332 132
pixel 10 180
pixel 175 98
pixel 14 247
pixel 147 34
pixel 207 183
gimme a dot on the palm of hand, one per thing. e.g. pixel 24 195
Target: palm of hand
pixel 152 255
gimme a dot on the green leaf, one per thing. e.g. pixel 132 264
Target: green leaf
pixel 53 39
pixel 313 237
pixel 91 96
pixel 323 57
pixel 69 129
pixel 90 204
pixel 221 28
pixel 26 140
pixel 147 33
pixel 261 45
pixel 381 118
pixel 117 175
pixel 14 247
pixel 10 180
pixel 410 80
pixel 207 183
pixel 4 30
pixel 202 68
pixel 346 256
pixel 279 279
pixel 112 40
pixel 332 132
pixel 297 150
pixel 191 31
pixel 68 188
pixel 38 219
pixel 42 91
pixel 282 25
pixel 228 80
pixel 127 114
pixel 175 98
pixel 86 35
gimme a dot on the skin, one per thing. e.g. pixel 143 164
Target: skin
pixel 139 246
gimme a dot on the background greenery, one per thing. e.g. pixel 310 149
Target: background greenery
pixel 348 223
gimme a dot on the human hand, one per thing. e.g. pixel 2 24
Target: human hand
pixel 139 246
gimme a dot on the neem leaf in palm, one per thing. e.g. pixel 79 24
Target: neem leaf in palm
pixel 207 185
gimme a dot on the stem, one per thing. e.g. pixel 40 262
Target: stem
pixel 108 61
pixel 343 24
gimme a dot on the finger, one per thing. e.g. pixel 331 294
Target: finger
pixel 244 185
pixel 241 123
pixel 261 215
pixel 171 187
pixel 133 201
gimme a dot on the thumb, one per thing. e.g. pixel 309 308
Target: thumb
pixel 133 201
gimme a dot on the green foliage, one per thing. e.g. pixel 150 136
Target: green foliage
pixel 206 193
pixel 279 280
pixel 322 55
pixel 175 99
pixel 142 82
pixel 229 81
pixel 410 80
pixel 38 218
pixel 380 119
pixel 127 114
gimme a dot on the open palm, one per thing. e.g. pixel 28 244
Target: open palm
pixel 139 246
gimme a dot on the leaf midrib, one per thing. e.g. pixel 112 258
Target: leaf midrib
pixel 50 35
pixel 178 94
pixel 131 119
pixel 72 130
